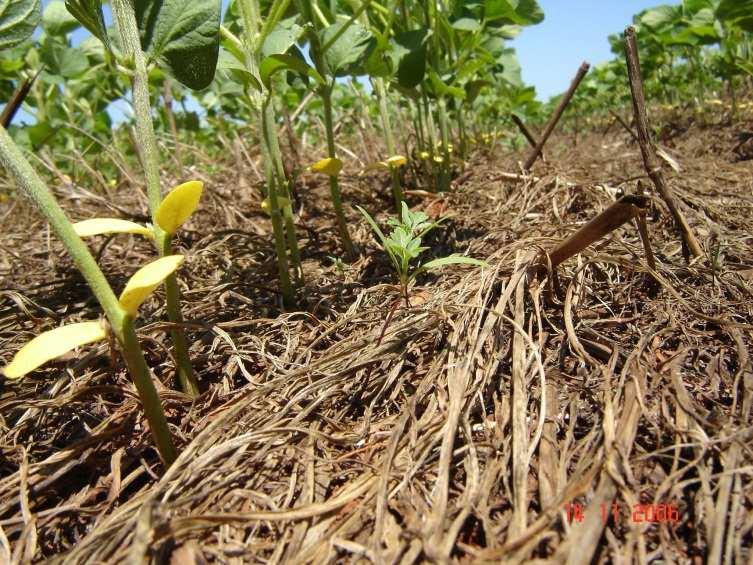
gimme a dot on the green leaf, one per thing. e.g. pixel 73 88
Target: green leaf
pixel 444 261
pixel 18 19
pixel 228 62
pixel 473 89
pixel 520 12
pixel 511 65
pixel 467 24
pixel 691 7
pixel 374 226
pixel 276 63
pixel 284 35
pixel 409 57
pixel 56 20
pixel 737 12
pixel 59 59
pixel 659 17
pixel 348 54
pixel 184 35
pixel 89 13
pixel 441 88
pixel 39 134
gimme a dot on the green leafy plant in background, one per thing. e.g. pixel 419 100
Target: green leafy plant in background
pixel 256 48
pixel 403 246
pixel 339 47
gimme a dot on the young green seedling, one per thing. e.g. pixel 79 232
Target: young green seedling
pixel 404 246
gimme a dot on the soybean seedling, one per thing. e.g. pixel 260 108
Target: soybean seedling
pixel 403 246
pixel 120 312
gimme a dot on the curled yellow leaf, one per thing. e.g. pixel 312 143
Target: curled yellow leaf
pixel 52 344
pixel 100 226
pixel 145 280
pixel 178 205
pixel 330 166
pixel 396 161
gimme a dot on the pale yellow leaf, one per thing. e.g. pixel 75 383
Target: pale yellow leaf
pixel 377 165
pixel 100 226
pixel 282 202
pixel 396 161
pixel 145 280
pixel 330 166
pixel 178 205
pixel 52 344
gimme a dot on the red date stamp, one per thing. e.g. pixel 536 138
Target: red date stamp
pixel 640 513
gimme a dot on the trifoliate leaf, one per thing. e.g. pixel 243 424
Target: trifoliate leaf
pixel 100 226
pixel 330 166
pixel 145 280
pixel 178 205
pixel 52 344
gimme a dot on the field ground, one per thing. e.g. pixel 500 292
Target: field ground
pixel 462 430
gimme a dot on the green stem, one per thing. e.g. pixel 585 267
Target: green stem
pixel 334 186
pixel 397 192
pixel 276 12
pixel 461 130
pixel 273 141
pixel 420 127
pixel 444 130
pixel 125 18
pixel 295 254
pixel 251 16
pixel 19 168
pixel 150 400
pixel 268 125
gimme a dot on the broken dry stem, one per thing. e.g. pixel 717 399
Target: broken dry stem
pixel 554 120
pixel 17 99
pixel 624 210
pixel 532 141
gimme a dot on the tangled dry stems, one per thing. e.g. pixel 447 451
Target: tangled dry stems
pixel 459 435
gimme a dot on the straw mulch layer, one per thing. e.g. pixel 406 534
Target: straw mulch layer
pixel 492 420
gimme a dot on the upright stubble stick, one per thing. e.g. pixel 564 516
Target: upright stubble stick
pixel 582 72
pixel 650 161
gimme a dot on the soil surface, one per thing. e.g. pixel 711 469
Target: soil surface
pixel 500 417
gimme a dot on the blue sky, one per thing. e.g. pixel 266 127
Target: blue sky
pixel 573 31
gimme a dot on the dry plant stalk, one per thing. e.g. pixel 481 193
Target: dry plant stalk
pixel 554 120
pixel 527 133
pixel 625 209
pixel 16 99
pixel 648 151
